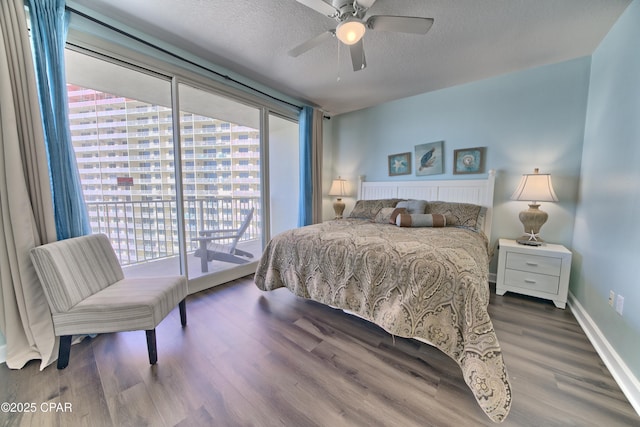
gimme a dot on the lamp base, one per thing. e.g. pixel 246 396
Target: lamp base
pixel 532 220
pixel 338 208
pixel 526 240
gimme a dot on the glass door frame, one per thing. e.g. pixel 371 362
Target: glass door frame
pixel 197 77
pixel 207 281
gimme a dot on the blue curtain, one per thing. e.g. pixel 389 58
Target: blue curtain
pixel 48 34
pixel 305 209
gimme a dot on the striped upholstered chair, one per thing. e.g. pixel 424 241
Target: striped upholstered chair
pixel 88 293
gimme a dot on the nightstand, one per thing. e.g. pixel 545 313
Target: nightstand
pixel 538 271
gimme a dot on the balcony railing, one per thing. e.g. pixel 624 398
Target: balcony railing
pixel 142 231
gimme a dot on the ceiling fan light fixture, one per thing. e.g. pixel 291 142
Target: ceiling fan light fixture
pixel 350 31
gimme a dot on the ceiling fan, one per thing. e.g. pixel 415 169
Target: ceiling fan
pixel 352 26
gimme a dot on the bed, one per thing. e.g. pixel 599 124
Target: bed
pixel 424 282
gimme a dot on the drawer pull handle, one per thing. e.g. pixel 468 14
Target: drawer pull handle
pixel 532 264
pixel 530 281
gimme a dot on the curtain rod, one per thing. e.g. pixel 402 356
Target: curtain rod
pixel 188 61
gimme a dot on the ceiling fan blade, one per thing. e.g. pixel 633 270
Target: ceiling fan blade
pixel 401 24
pixel 320 6
pixel 311 43
pixel 364 4
pixel 357 56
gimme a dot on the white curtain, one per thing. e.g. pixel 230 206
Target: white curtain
pixel 26 208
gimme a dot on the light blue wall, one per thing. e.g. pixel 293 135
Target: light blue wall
pixel 606 236
pixel 533 118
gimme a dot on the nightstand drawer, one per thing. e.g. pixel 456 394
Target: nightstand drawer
pixel 534 281
pixel 534 263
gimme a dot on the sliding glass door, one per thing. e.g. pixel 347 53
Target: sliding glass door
pixel 221 181
pixel 121 128
pixel 284 174
pixel 177 192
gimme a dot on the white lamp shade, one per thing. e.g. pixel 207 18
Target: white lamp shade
pixel 339 188
pixel 350 31
pixel 535 188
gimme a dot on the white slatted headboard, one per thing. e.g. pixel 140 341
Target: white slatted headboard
pixel 476 191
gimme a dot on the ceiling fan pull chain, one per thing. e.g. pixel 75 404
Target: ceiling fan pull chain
pixel 338 79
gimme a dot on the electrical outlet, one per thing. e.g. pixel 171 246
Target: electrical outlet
pixel 612 296
pixel 619 304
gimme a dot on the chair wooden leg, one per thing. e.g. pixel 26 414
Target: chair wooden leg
pixel 183 312
pixel 64 351
pixel 151 346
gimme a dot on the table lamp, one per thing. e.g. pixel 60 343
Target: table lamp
pixel 338 188
pixel 535 187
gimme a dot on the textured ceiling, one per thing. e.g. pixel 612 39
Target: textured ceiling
pixel 470 40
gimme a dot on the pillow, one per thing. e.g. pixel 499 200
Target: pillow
pixel 421 220
pixel 413 206
pixel 388 215
pixel 458 214
pixel 368 209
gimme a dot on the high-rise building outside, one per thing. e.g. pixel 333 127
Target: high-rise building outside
pixel 125 154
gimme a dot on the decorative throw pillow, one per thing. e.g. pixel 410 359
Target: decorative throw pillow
pixel 458 214
pixel 413 206
pixel 388 215
pixel 421 220
pixel 368 209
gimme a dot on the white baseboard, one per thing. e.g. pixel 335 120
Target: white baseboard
pixel 3 353
pixel 492 277
pixel 628 383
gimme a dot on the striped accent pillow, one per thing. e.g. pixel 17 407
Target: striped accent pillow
pixel 421 220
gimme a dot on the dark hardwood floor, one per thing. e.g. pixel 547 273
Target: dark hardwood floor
pixel 249 358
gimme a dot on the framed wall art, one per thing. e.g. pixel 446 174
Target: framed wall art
pixel 429 158
pixel 468 160
pixel 400 164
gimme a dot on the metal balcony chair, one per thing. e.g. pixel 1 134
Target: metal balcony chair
pixel 221 245
pixel 88 293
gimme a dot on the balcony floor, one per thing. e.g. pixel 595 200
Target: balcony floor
pixel 171 266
